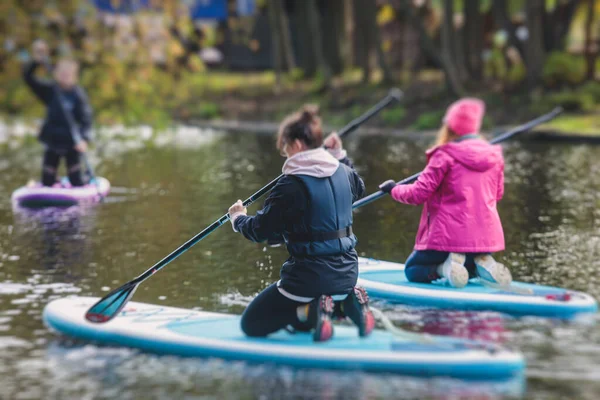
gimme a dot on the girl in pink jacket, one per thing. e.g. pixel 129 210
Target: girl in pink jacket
pixel 460 226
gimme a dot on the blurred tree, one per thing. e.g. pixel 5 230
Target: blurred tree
pixel 417 16
pixel 276 36
pixel 557 23
pixel 286 39
pixel 332 26
pixel 503 22
pixel 346 42
pixel 369 39
pixel 534 45
pixel 449 54
pixel 590 52
pixel 473 38
pixel 314 26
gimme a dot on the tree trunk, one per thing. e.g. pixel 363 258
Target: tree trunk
pixel 275 42
pixel 286 39
pixel 363 42
pixel 375 37
pixel 448 50
pixel 329 27
pixel 347 46
pixel 302 24
pixel 502 21
pixel 534 45
pixel 473 39
pixel 557 24
pixel 590 54
pixel 428 46
pixel 314 25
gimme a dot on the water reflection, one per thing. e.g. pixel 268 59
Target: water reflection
pixel 164 194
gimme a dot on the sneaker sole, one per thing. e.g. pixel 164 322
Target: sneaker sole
pixel 500 274
pixel 455 271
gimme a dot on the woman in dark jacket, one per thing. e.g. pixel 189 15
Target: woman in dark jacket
pixel 67 127
pixel 310 209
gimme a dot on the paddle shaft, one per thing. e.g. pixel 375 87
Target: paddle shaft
pixel 498 139
pixel 351 127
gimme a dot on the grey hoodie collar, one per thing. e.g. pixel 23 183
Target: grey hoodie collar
pixel 317 163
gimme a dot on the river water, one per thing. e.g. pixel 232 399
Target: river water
pixel 166 189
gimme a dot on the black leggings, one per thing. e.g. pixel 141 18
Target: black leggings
pixel 50 167
pixel 269 312
pixel 421 266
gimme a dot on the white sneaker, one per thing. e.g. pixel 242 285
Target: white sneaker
pixel 453 269
pixel 492 272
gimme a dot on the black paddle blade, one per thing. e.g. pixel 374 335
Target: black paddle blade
pixel 110 305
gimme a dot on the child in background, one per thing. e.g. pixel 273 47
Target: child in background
pixel 67 126
pixel 460 226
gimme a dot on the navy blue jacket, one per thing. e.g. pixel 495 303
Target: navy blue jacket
pixel 57 132
pixel 286 211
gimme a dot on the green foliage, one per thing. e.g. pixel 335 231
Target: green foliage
pixel 516 74
pixel 495 66
pixel 581 100
pixel 487 123
pixel 393 116
pixel 429 120
pixel 571 101
pixel 208 110
pixel 563 69
pixel 592 89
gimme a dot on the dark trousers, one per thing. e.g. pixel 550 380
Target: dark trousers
pixel 51 162
pixel 269 312
pixel 421 266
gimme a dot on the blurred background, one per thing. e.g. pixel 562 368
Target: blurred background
pixel 158 61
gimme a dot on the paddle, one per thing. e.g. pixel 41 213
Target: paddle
pixel 498 139
pixel 92 175
pixel 110 305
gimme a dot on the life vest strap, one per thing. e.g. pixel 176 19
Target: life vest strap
pixel 319 236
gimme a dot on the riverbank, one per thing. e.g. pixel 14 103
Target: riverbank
pixel 217 98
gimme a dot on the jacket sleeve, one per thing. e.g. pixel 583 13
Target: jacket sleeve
pixel 500 191
pixel 358 186
pixel 42 89
pixel 84 115
pixel 356 182
pixel 427 183
pixel 268 223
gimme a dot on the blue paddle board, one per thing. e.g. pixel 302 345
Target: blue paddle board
pixel 183 332
pixel 386 280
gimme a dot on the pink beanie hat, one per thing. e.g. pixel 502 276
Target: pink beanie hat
pixel 465 116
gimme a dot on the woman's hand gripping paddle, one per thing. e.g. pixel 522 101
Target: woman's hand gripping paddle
pixel 110 305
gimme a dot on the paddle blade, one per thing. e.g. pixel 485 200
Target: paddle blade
pixel 110 305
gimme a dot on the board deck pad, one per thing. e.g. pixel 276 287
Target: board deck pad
pixel 386 280
pixel 176 331
pixel 61 194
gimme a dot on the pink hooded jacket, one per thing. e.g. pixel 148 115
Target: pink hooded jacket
pixel 460 187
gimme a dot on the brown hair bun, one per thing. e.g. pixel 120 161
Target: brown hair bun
pixel 304 125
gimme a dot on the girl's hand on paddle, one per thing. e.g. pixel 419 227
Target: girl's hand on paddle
pixel 333 142
pixel 81 146
pixel 387 186
pixel 237 209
